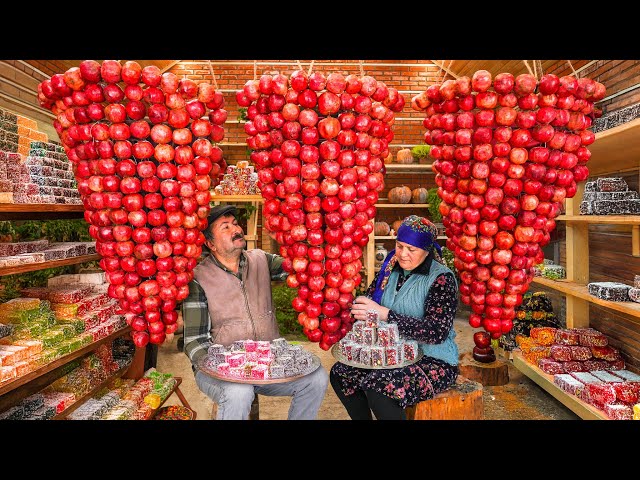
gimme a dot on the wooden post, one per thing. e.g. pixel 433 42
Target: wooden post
pixel 370 262
pixel 635 240
pixel 463 401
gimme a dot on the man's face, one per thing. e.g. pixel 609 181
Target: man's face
pixel 228 236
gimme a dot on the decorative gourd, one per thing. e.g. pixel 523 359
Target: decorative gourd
pixel 419 195
pixel 396 225
pixel 404 156
pixel 388 159
pixel 381 229
pixel 400 195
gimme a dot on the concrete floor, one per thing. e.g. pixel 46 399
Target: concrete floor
pixel 520 399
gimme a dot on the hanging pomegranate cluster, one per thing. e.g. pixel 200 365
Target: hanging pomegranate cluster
pixel 143 154
pixel 507 152
pixel 318 145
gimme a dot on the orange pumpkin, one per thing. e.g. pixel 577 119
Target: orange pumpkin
pixel 381 229
pixel 419 195
pixel 400 195
pixel 396 225
pixel 404 156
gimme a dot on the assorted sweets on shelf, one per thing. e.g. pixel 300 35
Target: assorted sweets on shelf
pixel 617 117
pixel 174 412
pixel 550 270
pixel 634 292
pixel 81 377
pixel 566 350
pixel 610 291
pixel 47 323
pixel 374 343
pixel 258 360
pixel 239 179
pixel 609 196
pixel 37 171
pixel 128 399
pixel 535 310
pixel 13 254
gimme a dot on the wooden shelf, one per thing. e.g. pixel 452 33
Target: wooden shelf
pixel 39 207
pixel 30 267
pixel 544 380
pixel 391 237
pixel 75 405
pixel 601 219
pixel 20 381
pixel 616 149
pixel 404 167
pixel 402 205
pixel 581 291
pixel 237 198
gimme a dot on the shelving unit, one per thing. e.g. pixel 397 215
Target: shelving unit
pixel 251 235
pixel 614 151
pixel 544 380
pixel 39 211
pixel 31 267
pixel 178 392
pixel 13 391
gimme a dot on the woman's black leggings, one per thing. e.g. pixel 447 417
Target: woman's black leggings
pixel 360 404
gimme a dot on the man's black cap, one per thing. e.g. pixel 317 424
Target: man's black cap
pixel 220 210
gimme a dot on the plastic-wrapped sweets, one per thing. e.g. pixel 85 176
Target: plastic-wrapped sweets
pixel 580 353
pixel 32 402
pixel 543 335
pixel 392 355
pixel 550 366
pixel 365 355
pixel 627 375
pixel 607 353
pixel 568 383
pixel 377 356
pixel 45 412
pixel 561 353
pixel 276 371
pixel 611 291
pixel 6 330
pixel 567 336
pixel 590 337
pixel 7 373
pixel 627 392
pixel 215 348
pixel 410 351
pixel 14 413
pixel 618 411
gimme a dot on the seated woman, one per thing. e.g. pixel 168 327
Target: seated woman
pixel 415 290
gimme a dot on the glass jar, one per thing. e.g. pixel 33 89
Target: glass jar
pixel 379 256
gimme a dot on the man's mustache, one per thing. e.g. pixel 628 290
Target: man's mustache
pixel 237 236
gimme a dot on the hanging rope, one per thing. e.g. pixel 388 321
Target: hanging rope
pixel 255 69
pixel 361 68
pixel 300 65
pixel 526 64
pixel 572 69
pixel 535 69
pixel 310 68
pixel 540 69
pixel 215 84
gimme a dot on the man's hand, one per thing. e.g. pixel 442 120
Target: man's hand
pixel 363 304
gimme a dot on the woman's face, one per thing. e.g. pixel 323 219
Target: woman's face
pixel 409 257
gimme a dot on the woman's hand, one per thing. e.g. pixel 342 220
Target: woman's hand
pixel 363 304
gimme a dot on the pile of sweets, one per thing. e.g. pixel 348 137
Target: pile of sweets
pixel 48 323
pixel 534 311
pixel 609 196
pixel 566 350
pixel 615 118
pixel 82 376
pixel 611 291
pixel 128 400
pixel 258 360
pixel 550 270
pixel 373 343
pixel 615 392
pixel 13 254
pixel 174 412
pixel 634 292
pixel 18 132
pixel 239 179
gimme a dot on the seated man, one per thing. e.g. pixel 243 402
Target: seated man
pixel 230 299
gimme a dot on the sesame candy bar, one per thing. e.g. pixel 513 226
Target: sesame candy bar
pixel 607 353
pixel 550 366
pixel 580 353
pixel 612 291
pixel 568 383
pixel 560 353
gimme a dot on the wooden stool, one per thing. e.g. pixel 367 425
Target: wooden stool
pixel 463 401
pixel 254 413
pixel 489 374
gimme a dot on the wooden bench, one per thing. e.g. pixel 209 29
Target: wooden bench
pixel 254 413
pixel 463 401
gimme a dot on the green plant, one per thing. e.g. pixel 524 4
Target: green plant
pixel 434 205
pixel 286 316
pixel 245 212
pixel 242 114
pixel 420 151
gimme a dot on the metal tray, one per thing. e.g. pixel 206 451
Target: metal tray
pixel 335 351
pixel 315 363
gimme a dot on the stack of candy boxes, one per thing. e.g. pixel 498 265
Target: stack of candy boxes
pixel 50 322
pixel 239 179
pixel 18 132
pixel 374 343
pixel 82 377
pixel 584 365
pixel 258 360
pixel 37 251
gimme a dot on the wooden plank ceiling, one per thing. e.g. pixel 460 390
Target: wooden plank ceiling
pixel 51 67
pixel 461 68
